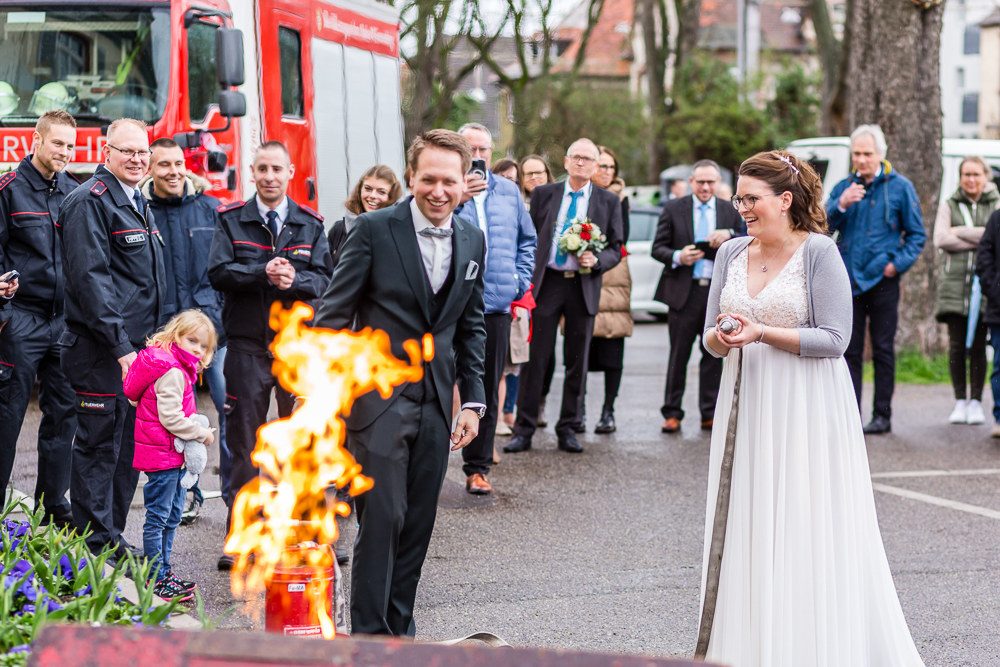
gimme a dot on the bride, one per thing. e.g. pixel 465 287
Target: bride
pixel 803 579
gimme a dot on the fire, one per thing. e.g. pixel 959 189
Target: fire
pixel 299 457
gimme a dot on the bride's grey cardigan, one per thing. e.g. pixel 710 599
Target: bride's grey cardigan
pixel 831 307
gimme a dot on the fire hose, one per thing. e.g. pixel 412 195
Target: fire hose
pixel 721 519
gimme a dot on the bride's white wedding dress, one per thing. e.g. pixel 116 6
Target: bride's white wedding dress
pixel 804 580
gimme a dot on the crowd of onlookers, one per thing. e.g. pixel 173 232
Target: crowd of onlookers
pixel 135 286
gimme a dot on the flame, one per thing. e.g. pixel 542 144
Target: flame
pixel 299 457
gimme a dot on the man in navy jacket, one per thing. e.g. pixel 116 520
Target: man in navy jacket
pixel 877 214
pixel 495 206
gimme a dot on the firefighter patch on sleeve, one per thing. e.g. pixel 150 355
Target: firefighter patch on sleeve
pixel 7 178
pixel 99 188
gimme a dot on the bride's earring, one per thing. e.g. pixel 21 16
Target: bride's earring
pixel 783 213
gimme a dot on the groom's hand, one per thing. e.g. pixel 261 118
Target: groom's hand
pixel 466 429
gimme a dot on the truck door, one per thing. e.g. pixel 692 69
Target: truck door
pixel 287 84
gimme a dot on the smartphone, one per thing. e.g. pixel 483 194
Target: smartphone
pixel 704 246
pixel 478 169
pixel 10 276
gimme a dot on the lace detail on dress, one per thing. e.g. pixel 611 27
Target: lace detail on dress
pixel 782 303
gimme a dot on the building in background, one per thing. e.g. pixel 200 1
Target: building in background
pixel 989 77
pixel 960 67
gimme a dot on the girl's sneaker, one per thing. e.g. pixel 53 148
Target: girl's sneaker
pixel 181 583
pixel 168 590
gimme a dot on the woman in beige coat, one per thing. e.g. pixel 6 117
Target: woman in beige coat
pixel 614 317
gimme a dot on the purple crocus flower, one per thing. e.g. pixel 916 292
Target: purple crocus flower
pixel 14 528
pixel 21 648
pixel 66 567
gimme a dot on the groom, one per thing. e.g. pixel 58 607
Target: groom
pixel 408 270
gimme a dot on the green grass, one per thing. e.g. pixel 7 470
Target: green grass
pixel 914 367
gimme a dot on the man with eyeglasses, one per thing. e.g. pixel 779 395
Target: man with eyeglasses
pixel 561 290
pixel 115 288
pixel 703 219
pixel 496 207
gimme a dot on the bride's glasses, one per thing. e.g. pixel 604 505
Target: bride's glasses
pixel 748 201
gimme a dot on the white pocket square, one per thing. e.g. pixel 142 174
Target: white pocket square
pixel 472 271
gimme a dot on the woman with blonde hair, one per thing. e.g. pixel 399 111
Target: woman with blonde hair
pixel 377 188
pixel 795 572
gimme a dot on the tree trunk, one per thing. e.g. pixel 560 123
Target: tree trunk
pixel 894 67
pixel 688 29
pixel 655 74
pixel 832 65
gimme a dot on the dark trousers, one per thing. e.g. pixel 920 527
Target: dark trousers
pixel 29 347
pixel 558 297
pixel 405 451
pixel 478 454
pixel 995 375
pixel 102 480
pixel 249 382
pixel 958 326
pixel 878 308
pixel 685 329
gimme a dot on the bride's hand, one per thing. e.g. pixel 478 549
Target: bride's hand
pixel 748 332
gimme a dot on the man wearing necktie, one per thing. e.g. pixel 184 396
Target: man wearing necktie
pixel 560 290
pixel 115 299
pixel 264 250
pixel 703 219
pixel 410 270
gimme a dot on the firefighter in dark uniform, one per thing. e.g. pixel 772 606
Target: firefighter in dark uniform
pixel 30 199
pixel 266 249
pixel 114 300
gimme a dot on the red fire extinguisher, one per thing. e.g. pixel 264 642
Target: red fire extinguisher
pixel 306 585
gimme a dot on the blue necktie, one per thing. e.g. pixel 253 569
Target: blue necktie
pixel 138 202
pixel 272 224
pixel 570 217
pixel 701 232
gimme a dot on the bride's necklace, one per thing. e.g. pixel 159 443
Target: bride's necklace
pixel 763 266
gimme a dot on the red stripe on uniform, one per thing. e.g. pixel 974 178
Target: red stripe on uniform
pixel 130 230
pixel 255 245
pixel 27 213
pixel 83 393
pixel 298 246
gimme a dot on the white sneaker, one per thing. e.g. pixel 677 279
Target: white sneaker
pixel 504 429
pixel 974 413
pixel 960 414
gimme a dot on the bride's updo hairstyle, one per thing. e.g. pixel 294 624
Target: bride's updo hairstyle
pixel 786 173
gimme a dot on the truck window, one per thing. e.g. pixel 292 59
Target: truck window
pixel 203 75
pixel 290 50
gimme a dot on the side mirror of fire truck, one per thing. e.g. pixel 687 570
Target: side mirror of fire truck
pixel 229 56
pixel 232 104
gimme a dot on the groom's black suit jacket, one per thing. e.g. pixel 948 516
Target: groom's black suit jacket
pixel 380 283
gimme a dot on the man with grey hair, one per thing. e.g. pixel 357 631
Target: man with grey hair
pixel 877 214
pixel 496 207
pixel 566 284
pixel 115 289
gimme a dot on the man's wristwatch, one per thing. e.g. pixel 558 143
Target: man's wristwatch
pixel 478 409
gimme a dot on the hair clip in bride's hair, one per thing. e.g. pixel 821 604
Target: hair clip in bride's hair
pixel 787 160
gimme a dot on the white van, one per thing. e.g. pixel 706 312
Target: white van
pixel 831 156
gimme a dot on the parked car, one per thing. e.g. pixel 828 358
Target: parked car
pixel 831 157
pixel 645 270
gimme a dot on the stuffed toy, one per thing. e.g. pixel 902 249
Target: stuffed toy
pixel 195 455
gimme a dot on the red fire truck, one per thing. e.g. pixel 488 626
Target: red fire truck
pixel 219 76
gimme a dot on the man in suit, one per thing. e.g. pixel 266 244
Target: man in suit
pixel 408 270
pixel 560 289
pixel 698 218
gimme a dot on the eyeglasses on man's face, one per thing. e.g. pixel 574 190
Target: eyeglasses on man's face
pixel 482 150
pixel 580 159
pixel 534 174
pixel 142 155
pixel 748 201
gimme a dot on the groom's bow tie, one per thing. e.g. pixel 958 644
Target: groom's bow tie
pixel 434 232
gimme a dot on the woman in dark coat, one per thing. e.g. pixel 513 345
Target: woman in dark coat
pixel 378 188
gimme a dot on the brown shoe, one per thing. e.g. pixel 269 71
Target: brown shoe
pixel 477 485
pixel 671 425
pixel 706 425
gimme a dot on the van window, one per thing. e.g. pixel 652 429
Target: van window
pixel 290 50
pixel 203 73
pixel 642 225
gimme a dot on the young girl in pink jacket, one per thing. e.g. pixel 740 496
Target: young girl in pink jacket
pixel 161 382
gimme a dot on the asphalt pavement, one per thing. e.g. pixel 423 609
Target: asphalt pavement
pixel 602 550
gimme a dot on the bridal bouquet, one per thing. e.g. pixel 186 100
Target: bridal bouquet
pixel 581 236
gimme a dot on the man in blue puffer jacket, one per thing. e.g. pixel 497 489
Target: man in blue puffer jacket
pixel 877 214
pixel 186 218
pixel 495 205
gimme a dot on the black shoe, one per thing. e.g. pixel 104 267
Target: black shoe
pixel 579 427
pixel 518 443
pixel 226 562
pixel 343 556
pixel 60 517
pixel 878 425
pixel 569 443
pixel 607 423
